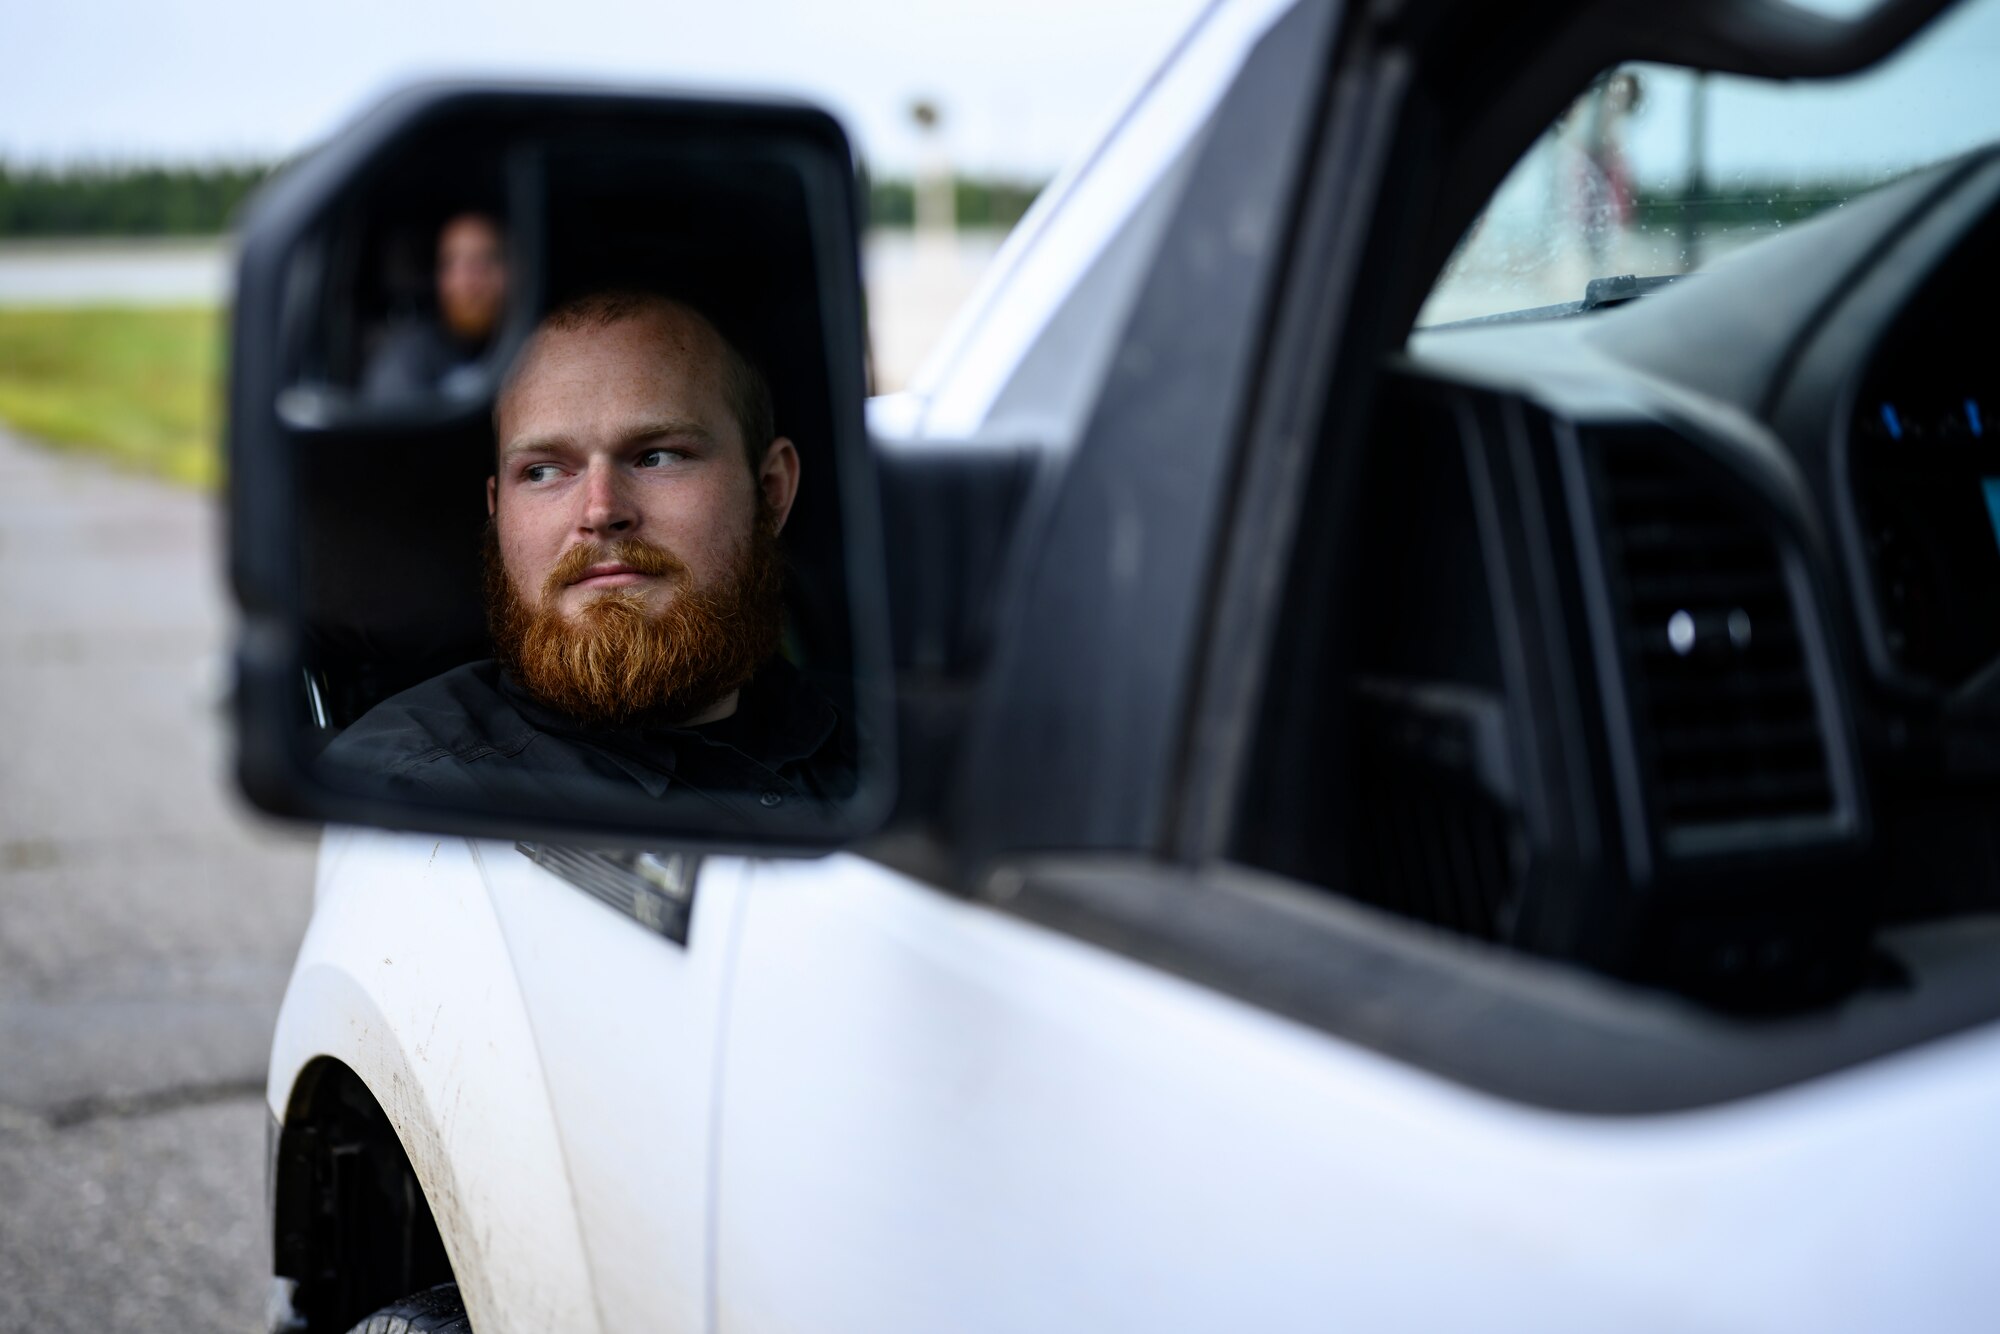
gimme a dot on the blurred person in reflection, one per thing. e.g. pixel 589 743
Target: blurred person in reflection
pixel 1604 200
pixel 634 583
pixel 423 355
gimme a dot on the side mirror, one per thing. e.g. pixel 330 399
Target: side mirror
pixel 672 626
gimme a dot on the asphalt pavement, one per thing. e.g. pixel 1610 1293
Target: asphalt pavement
pixel 147 921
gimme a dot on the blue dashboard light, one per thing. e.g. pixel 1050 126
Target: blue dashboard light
pixel 1991 485
pixel 1892 421
pixel 1972 417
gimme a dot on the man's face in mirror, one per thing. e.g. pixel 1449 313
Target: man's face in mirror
pixel 634 525
pixel 471 276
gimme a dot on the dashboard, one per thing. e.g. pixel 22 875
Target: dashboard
pixel 1682 659
pixel 1924 483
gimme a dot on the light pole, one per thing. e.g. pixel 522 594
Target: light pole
pixel 1695 190
pixel 936 202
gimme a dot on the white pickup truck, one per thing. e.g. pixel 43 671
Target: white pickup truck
pixel 1434 676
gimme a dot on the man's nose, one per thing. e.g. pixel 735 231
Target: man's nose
pixel 607 508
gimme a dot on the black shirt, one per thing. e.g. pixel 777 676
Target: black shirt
pixel 473 734
pixel 418 358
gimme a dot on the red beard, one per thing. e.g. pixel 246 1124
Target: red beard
pixel 618 663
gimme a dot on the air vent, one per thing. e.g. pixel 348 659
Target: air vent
pixel 1435 838
pixel 1716 666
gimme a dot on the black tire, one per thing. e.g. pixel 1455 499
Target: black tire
pixel 437 1311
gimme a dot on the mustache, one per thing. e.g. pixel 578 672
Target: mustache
pixel 619 663
pixel 638 553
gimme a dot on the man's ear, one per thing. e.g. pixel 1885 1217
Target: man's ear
pixel 492 489
pixel 778 479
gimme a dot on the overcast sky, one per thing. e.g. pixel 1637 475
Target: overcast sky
pixel 1024 83
pixel 1938 97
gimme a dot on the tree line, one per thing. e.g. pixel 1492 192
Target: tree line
pixel 122 201
pixel 202 201
pixel 892 202
pixel 1742 204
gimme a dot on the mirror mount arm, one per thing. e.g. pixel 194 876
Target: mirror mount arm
pixel 1773 39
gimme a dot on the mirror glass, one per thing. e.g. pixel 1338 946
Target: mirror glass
pixel 572 421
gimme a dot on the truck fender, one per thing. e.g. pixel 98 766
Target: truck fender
pixel 405 979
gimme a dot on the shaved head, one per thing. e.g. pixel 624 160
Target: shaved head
pixel 683 332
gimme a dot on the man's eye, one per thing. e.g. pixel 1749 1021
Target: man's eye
pixel 659 458
pixel 539 472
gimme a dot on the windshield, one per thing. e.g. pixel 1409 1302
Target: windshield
pixel 1658 171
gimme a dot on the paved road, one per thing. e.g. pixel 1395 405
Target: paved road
pixel 146 921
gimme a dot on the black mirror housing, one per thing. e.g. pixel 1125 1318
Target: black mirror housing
pixel 357 515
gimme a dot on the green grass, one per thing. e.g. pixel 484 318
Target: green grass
pixel 138 386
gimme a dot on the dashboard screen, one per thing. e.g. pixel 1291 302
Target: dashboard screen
pixel 1927 474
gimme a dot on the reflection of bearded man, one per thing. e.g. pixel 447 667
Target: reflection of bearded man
pixel 615 664
pixel 634 586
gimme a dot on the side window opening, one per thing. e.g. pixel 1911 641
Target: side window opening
pixel 1392 774
pixel 1657 172
pixel 1443 737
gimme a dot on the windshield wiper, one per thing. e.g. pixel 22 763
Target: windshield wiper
pixel 1597 293
pixel 1625 287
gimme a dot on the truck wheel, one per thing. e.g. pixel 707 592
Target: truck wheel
pixel 436 1311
